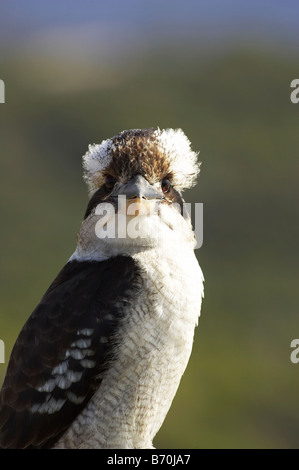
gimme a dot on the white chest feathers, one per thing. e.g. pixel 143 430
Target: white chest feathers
pixel 154 347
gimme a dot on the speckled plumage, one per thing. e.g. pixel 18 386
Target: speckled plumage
pixel 153 153
pixel 112 336
pixel 156 341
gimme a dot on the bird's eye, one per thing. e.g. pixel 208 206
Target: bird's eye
pixel 165 185
pixel 110 182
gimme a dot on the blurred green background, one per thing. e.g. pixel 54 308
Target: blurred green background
pixel 79 72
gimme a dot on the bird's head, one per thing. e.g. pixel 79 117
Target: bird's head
pixel 135 181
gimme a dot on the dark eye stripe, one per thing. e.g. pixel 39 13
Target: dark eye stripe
pixel 110 182
pixel 165 185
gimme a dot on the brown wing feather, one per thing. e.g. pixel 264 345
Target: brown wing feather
pixel 58 357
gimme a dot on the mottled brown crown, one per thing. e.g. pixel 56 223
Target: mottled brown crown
pixel 137 152
pixel 152 153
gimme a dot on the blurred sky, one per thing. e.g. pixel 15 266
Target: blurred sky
pixel 104 26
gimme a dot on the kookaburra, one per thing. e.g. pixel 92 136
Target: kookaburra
pixel 99 361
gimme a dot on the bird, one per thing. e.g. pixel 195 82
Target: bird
pixel 99 361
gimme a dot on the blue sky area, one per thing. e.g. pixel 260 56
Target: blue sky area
pixel 134 20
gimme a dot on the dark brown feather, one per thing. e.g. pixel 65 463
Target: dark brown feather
pixel 80 298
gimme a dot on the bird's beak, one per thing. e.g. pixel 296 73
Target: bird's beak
pixel 141 197
pixel 137 187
